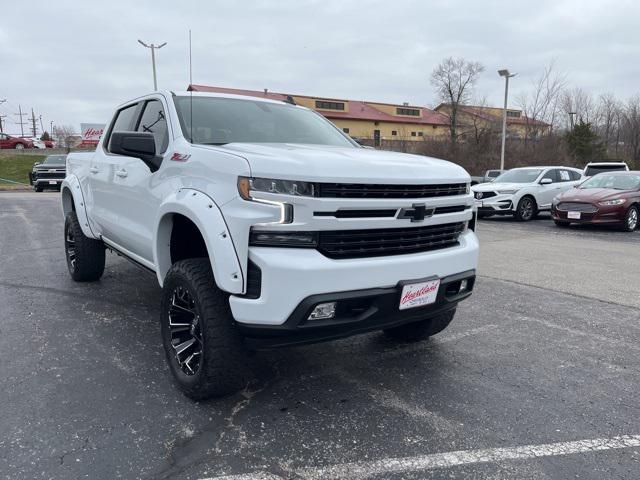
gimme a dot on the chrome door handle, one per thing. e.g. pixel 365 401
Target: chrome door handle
pixel 121 173
pixel 94 170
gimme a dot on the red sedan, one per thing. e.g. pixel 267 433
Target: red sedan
pixel 606 198
pixel 7 141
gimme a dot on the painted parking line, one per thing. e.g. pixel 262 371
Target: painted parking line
pixel 360 470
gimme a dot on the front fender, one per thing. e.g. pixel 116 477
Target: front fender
pixel 205 214
pixel 73 199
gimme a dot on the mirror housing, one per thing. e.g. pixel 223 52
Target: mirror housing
pixel 138 145
pixel 546 181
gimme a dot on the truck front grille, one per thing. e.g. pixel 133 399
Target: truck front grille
pixel 45 174
pixel 361 190
pixel 342 244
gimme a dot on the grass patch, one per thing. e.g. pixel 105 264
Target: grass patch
pixel 17 167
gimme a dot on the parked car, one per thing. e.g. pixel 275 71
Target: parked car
pixel 49 174
pixel 18 143
pixel 524 192
pixel 606 198
pixel 49 143
pixel 37 143
pixel 266 226
pixel 594 168
pixel 491 175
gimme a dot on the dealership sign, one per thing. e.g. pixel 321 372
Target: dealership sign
pixel 91 133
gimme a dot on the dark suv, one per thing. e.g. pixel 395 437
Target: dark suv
pixel 49 174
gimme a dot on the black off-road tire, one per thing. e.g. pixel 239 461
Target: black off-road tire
pixel 631 219
pixel 416 331
pixel 526 209
pixel 223 367
pixel 562 223
pixel 38 189
pixel 85 256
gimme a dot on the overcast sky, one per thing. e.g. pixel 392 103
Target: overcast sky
pixel 73 61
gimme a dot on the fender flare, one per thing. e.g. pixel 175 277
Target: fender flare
pixel 73 199
pixel 206 215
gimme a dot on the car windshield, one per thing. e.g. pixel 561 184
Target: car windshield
pixel 217 121
pixel 493 173
pixel 596 169
pixel 616 182
pixel 519 175
pixel 55 160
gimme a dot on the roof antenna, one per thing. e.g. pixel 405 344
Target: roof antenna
pixel 190 91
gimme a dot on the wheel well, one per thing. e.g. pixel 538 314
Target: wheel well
pixel 67 202
pixel 186 240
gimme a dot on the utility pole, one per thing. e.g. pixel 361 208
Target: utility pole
pixel 153 59
pixel 41 125
pixel 34 127
pixel 2 116
pixel 21 122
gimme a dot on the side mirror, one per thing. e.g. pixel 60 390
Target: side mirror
pixel 546 181
pixel 138 145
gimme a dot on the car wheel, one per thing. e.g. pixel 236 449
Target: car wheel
pixel 416 331
pixel 561 223
pixel 526 209
pixel 85 256
pixel 37 188
pixel 19 146
pixel 202 344
pixel 631 219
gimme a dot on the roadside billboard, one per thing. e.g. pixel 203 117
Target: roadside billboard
pixel 91 133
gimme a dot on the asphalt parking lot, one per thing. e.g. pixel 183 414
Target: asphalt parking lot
pixel 538 377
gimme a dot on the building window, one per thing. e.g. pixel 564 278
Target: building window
pixel 329 105
pixel 420 134
pixel 513 114
pixel 394 132
pixel 414 112
pixel 413 134
pixel 345 130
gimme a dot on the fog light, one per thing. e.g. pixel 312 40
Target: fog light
pixel 323 311
pixel 463 286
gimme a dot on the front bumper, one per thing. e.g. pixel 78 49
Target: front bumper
pixel 497 205
pixel 358 311
pixel 611 214
pixel 291 275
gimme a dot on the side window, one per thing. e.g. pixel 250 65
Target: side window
pixel 124 120
pixel 575 175
pixel 565 175
pixel 552 174
pixel 154 121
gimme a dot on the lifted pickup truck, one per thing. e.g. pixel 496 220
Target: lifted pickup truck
pixel 266 226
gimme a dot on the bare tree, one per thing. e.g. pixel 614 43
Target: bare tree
pixel 630 125
pixel 540 104
pixel 577 101
pixel 454 79
pixel 64 135
pixel 608 119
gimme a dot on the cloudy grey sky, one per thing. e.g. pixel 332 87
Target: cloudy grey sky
pixel 73 61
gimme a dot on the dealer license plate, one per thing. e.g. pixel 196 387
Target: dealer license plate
pixel 52 182
pixel 419 294
pixel 573 215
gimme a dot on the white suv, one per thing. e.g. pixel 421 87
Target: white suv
pixel 523 192
pixel 266 226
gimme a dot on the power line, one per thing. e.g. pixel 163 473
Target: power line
pixel 21 123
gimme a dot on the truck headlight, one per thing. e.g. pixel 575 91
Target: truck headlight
pixel 247 185
pixel 618 201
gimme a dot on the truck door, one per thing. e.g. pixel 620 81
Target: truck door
pixel 135 194
pixel 104 214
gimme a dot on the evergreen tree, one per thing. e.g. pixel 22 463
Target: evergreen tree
pixel 45 136
pixel 584 144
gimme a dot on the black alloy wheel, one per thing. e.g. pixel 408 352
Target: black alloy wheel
pixel 185 331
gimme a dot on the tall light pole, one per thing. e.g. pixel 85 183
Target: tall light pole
pixel 153 59
pixel 507 75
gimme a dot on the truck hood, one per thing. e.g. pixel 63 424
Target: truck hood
pixel 321 163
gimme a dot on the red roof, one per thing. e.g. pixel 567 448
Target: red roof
pixel 357 110
pixel 483 112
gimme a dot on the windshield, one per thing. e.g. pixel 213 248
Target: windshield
pixel 55 160
pixel 616 182
pixel 596 169
pixel 217 121
pixel 519 175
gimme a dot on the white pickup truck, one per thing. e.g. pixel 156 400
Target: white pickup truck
pixel 267 226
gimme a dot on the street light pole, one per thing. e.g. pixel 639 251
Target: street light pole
pixel 504 73
pixel 153 59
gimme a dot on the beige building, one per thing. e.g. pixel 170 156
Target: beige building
pixel 373 121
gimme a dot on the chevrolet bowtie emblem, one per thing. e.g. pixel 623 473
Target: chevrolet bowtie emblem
pixel 417 213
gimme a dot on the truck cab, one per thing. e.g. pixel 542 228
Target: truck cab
pixel 267 226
